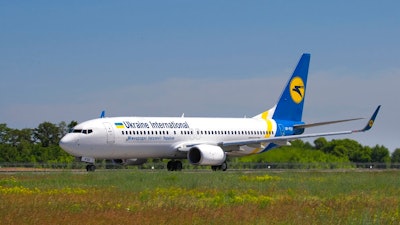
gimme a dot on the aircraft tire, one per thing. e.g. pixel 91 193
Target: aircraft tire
pixel 224 166
pixel 174 165
pixel 90 168
pixel 178 165
pixel 170 165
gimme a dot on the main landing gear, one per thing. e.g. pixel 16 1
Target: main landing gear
pixel 222 167
pixel 174 165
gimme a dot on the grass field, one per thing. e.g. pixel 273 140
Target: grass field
pixel 147 197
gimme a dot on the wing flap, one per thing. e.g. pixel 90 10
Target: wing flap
pixel 323 123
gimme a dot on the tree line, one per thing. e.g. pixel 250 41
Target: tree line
pixel 40 145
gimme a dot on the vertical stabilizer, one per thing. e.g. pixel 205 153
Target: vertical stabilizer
pixel 290 104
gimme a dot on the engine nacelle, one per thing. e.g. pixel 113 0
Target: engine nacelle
pixel 206 155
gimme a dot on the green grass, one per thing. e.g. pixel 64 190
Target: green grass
pixel 199 197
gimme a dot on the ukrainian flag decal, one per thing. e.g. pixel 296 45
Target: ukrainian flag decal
pixel 119 125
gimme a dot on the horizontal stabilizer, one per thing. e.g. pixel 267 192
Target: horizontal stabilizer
pixel 300 126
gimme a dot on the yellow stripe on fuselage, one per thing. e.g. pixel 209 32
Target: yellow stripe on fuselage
pixel 264 116
pixel 268 122
pixel 269 128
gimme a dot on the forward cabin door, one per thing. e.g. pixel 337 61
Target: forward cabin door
pixel 110 133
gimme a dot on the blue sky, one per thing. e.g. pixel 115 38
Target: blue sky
pixel 68 60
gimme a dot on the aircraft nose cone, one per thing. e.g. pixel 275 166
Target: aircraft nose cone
pixel 68 143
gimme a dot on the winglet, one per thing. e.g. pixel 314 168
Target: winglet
pixel 370 122
pixel 103 114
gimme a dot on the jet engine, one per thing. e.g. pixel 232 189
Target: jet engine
pixel 206 155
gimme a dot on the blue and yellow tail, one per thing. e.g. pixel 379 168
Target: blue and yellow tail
pixel 291 102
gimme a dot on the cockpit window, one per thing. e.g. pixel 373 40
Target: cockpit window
pixel 86 131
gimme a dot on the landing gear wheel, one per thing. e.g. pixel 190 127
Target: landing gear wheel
pixel 90 168
pixel 178 165
pixel 170 166
pixel 174 165
pixel 224 166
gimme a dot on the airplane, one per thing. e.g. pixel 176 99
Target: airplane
pixel 203 141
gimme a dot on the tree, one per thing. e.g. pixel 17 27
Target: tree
pixel 8 153
pixel 72 124
pixel 362 154
pixel 380 154
pixel 47 134
pixel 64 128
pixel 396 156
pixel 301 144
pixel 5 133
pixel 320 143
pixel 23 136
pixel 351 149
pixel 340 151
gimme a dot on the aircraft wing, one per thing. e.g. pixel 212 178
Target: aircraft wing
pixel 229 146
pixel 283 140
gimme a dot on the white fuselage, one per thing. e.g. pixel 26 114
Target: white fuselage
pixel 162 137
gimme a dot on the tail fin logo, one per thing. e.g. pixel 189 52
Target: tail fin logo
pixel 297 89
pixel 371 123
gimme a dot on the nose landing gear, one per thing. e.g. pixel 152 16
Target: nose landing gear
pixel 90 167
